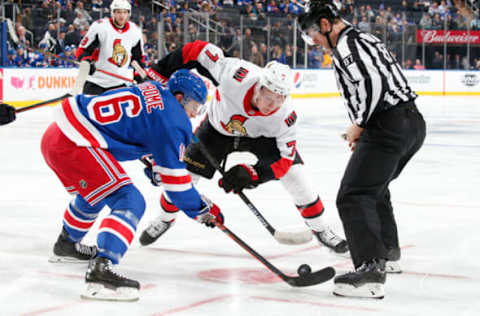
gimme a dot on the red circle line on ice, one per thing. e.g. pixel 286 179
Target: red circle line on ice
pixel 244 275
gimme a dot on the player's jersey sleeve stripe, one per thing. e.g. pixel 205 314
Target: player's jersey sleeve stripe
pixel 280 167
pixel 180 172
pixel 191 51
pixel 176 180
pixel 76 127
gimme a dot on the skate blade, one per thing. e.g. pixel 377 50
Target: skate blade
pixel 368 290
pixel 60 259
pixel 99 292
pixel 393 267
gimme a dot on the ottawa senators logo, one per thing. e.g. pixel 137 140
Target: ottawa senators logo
pixel 235 125
pixel 119 55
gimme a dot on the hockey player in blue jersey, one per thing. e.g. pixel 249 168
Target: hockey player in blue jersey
pixel 84 146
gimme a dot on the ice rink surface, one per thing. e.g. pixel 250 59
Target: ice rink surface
pixel 193 270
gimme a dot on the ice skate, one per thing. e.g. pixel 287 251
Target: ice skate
pixel 71 252
pixel 103 284
pixel 329 239
pixel 156 229
pixel 367 281
pixel 393 261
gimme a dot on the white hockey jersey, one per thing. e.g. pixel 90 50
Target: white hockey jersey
pixel 112 49
pixel 231 113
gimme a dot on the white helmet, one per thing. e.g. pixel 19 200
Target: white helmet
pixel 120 4
pixel 277 77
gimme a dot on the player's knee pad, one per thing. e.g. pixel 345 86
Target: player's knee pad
pixel 297 184
pixel 130 201
pixel 79 217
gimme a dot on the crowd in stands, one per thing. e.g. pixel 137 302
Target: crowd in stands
pixel 267 31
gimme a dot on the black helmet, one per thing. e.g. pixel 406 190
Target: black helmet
pixel 315 10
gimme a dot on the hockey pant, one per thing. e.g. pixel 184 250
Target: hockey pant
pixel 97 180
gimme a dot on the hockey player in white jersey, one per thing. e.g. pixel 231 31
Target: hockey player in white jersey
pixel 250 111
pixel 111 44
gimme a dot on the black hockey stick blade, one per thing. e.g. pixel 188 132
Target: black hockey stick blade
pixel 313 278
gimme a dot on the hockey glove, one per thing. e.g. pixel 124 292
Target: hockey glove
pixel 7 113
pixel 139 79
pixel 239 177
pixel 210 214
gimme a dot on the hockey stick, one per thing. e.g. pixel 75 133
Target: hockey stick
pixel 77 88
pixel 75 62
pixel 306 279
pixel 139 69
pixel 288 238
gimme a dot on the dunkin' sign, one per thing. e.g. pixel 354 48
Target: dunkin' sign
pixel 450 37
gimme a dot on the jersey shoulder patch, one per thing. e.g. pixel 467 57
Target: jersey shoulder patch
pixel 347 61
pixel 291 119
pixel 240 74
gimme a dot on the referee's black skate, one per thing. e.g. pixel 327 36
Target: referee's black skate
pixel 393 261
pixel 105 285
pixel 71 252
pixel 367 281
pixel 156 229
pixel 329 239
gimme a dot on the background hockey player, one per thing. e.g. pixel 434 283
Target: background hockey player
pixel 387 130
pixel 250 111
pixel 7 114
pixel 111 44
pixel 84 146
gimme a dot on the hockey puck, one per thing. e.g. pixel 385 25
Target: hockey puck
pixel 304 269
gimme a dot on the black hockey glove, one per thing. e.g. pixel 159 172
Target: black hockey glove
pixel 92 67
pixel 239 177
pixel 7 114
pixel 139 79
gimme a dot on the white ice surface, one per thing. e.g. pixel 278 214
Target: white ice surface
pixel 437 203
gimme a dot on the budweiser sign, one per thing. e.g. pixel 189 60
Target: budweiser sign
pixel 450 37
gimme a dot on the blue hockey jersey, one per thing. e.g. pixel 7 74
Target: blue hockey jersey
pixel 131 123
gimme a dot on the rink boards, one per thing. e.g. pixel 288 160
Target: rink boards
pixel 23 86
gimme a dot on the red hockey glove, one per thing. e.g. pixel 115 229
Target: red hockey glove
pixel 210 214
pixel 239 177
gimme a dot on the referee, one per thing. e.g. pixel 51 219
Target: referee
pixel 387 130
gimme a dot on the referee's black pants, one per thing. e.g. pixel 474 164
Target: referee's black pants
pixel 389 141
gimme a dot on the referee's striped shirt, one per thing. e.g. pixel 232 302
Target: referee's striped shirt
pixel 368 77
